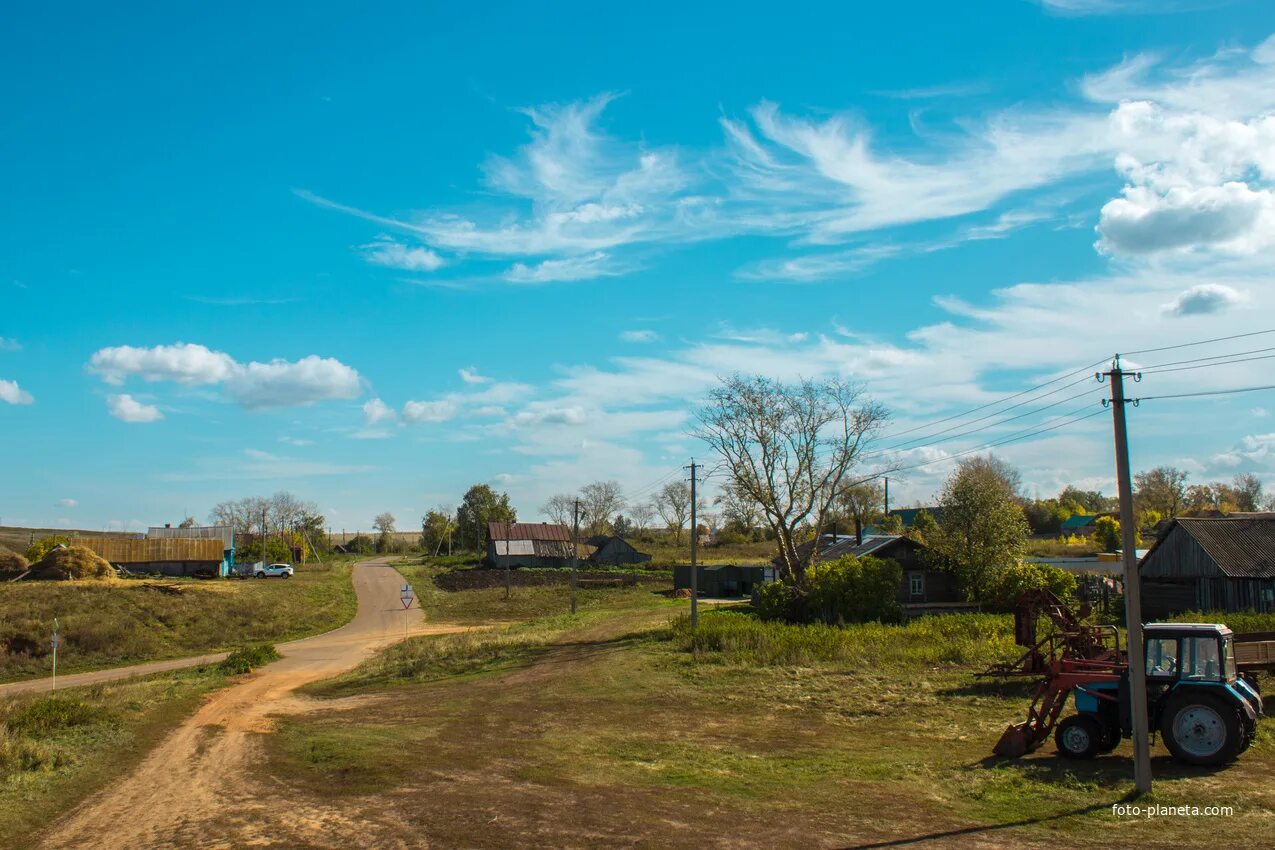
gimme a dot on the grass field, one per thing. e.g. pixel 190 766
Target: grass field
pixel 589 731
pixel 57 749
pixel 131 621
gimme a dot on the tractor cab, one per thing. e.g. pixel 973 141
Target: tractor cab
pixel 1189 652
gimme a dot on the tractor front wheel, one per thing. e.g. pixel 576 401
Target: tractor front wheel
pixel 1080 737
pixel 1200 728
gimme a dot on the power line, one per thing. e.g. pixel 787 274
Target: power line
pixel 1207 392
pixel 1201 342
pixel 1206 365
pixel 1202 359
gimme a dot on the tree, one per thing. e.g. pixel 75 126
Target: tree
pixel 739 512
pixel 1090 501
pixel 601 500
pixel 983 530
pixel 261 514
pixel 481 505
pixel 862 504
pixel 642 514
pixel 1106 534
pixel 1247 489
pixel 923 527
pixel 788 449
pixel 559 508
pixel 1161 489
pixel 621 527
pixel 384 523
pixel 437 528
pixel 673 503
pixel 188 522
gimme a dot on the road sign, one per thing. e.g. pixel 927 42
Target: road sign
pixel 406 595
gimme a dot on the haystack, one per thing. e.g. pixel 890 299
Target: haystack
pixel 12 563
pixel 73 562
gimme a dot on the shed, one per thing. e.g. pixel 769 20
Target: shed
pixel 170 556
pixel 224 533
pixel 528 544
pixel 1210 564
pixel 615 550
pixel 722 580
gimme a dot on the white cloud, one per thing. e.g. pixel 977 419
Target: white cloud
pixel 1111 7
pixel 67 503
pixel 9 344
pixel 128 409
pixel 1259 412
pixel 386 252
pixel 11 393
pixel 1204 298
pixel 644 335
pixel 253 385
pixel 375 411
pixel 429 411
pixel 551 416
pixel 568 268
pixel 471 376
pixel 296 441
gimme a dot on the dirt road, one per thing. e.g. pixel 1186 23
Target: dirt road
pixel 198 787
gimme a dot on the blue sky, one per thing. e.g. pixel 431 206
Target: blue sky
pixel 374 256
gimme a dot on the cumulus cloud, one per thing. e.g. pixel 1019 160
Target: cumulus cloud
pixel 67 503
pixel 253 385
pixel 375 411
pixel 11 393
pixel 128 409
pixel 1203 299
pixel 471 376
pixel 386 252
pixel 429 411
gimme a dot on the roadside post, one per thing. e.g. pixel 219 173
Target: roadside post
pixel 55 642
pixel 406 595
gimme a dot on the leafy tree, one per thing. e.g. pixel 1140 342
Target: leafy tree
pixel 862 504
pixel 437 528
pixel 1161 489
pixel 600 501
pixel 1106 534
pixel 923 527
pixel 788 448
pixel 37 550
pixel 739 513
pixel 1016 579
pixel 854 590
pixel 360 544
pixel 384 523
pixel 621 527
pixel 983 530
pixel 1247 489
pixel 481 505
pixel 1086 501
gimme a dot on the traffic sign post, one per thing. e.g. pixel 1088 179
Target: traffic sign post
pixel 406 595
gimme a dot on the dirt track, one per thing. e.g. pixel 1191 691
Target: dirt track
pixel 198 787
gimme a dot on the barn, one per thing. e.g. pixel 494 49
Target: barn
pixel 615 551
pixel 170 555
pixel 528 544
pixel 1210 564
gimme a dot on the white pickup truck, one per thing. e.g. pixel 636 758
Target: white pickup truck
pixel 276 570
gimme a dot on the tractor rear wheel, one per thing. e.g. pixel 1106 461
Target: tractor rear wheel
pixel 1200 728
pixel 1111 736
pixel 1080 736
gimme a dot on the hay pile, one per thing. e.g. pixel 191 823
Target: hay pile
pixel 73 562
pixel 11 563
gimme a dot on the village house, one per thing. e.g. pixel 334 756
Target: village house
pixel 528 544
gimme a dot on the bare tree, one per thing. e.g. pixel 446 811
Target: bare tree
pixel 673 504
pixel 559 508
pixel 601 500
pixel 788 448
pixel 642 514
pixel 862 504
pixel 738 509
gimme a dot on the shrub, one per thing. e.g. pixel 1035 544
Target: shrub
pixel 248 658
pixel 854 590
pixel 50 715
pixel 44 546
pixel 18 754
pixel 1107 534
pixel 75 562
pixel 1013 581
pixel 360 544
pixel 775 601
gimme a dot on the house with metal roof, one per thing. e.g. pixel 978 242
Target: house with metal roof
pixel 1081 524
pixel 1210 564
pixel 528 544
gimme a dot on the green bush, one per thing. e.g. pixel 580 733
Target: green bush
pixel 854 590
pixel 248 658
pixel 1238 621
pixel 775 600
pixel 44 546
pixel 18 755
pixel 1013 581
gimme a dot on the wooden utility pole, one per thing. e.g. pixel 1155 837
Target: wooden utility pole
pixel 887 496
pixel 694 554
pixel 575 549
pixel 1132 584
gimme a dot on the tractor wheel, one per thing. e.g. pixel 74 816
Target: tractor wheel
pixel 1079 736
pixel 1111 736
pixel 1200 728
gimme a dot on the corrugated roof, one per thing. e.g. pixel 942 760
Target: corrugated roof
pixel 1079 520
pixel 845 544
pixel 528 531
pixel 1242 547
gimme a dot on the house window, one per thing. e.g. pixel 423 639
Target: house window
pixel 916 584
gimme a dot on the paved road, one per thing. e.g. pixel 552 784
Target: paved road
pixel 202 785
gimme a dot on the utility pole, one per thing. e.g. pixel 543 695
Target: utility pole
pixel 56 641
pixel 575 549
pixel 887 495
pixel 263 537
pixel 1132 584
pixel 694 553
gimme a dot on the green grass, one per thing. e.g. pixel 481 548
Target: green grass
pixel 1238 621
pixel 248 658
pixel 57 749
pixel 133 621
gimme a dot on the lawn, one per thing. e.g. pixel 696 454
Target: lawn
pixel 57 749
pixel 110 624
pixel 618 726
